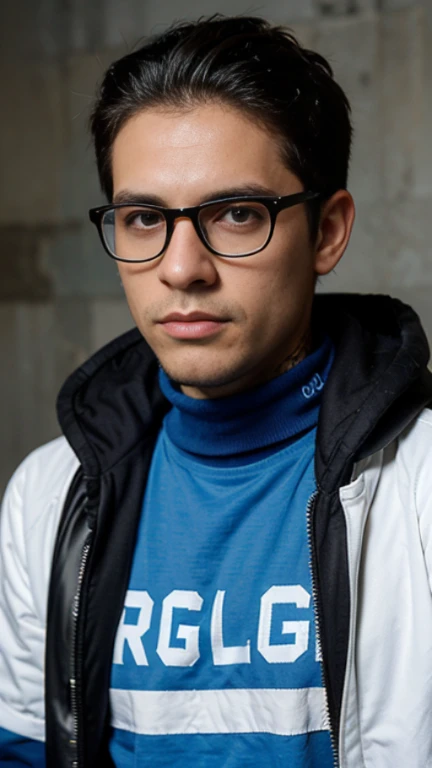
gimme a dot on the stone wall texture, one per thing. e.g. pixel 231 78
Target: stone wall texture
pixel 60 296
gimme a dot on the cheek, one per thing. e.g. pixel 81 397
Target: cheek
pixel 137 287
pixel 283 277
pixel 281 290
pixel 273 303
pixel 291 252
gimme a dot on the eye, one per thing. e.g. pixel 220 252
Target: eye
pixel 143 219
pixel 241 215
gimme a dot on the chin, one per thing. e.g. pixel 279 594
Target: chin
pixel 201 382
pixel 200 379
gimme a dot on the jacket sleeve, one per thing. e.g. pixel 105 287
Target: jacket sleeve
pixel 22 634
pixel 20 752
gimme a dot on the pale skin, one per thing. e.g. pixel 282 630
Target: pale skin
pixel 265 299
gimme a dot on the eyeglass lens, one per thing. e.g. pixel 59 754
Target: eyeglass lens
pixel 137 233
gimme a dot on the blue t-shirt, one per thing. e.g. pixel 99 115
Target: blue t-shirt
pixel 216 662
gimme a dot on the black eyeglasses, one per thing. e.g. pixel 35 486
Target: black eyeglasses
pixel 233 227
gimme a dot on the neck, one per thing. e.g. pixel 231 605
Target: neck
pixel 303 348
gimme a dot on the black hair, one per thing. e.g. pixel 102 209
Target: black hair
pixel 249 64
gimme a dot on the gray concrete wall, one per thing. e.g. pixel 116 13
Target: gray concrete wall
pixel 60 297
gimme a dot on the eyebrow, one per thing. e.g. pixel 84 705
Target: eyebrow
pixel 246 190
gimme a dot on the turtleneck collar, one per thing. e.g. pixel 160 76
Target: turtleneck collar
pixel 270 414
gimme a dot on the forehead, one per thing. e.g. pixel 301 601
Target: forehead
pixel 186 154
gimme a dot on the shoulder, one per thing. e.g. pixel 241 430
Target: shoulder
pixel 47 467
pixel 42 478
pixel 417 452
pixel 409 458
pixel 414 452
pixel 414 478
pixel 421 425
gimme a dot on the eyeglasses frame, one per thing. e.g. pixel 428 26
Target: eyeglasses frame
pixel 273 204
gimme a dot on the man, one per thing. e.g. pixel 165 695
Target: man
pixel 226 561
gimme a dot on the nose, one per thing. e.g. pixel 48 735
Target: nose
pixel 186 261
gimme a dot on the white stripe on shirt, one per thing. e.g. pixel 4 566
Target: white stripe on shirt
pixel 260 710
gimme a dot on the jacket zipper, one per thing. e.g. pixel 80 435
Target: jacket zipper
pixel 318 613
pixel 76 656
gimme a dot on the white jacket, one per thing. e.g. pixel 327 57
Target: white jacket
pixel 387 700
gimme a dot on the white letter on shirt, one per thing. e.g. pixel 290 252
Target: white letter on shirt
pixel 179 657
pixel 132 633
pixel 280 654
pixel 234 654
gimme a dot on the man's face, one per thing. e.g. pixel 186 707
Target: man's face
pixel 262 302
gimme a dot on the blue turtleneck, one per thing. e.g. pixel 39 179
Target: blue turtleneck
pixel 247 426
pixel 216 662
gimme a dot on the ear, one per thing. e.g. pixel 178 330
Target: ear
pixel 336 223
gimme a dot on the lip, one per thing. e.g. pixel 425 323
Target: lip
pixel 195 325
pixel 192 317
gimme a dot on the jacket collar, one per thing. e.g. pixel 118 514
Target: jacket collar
pixel 378 384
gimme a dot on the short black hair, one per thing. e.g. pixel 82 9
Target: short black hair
pixel 250 64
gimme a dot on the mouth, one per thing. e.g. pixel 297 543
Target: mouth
pixel 195 325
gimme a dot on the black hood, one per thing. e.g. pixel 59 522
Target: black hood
pixel 378 383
